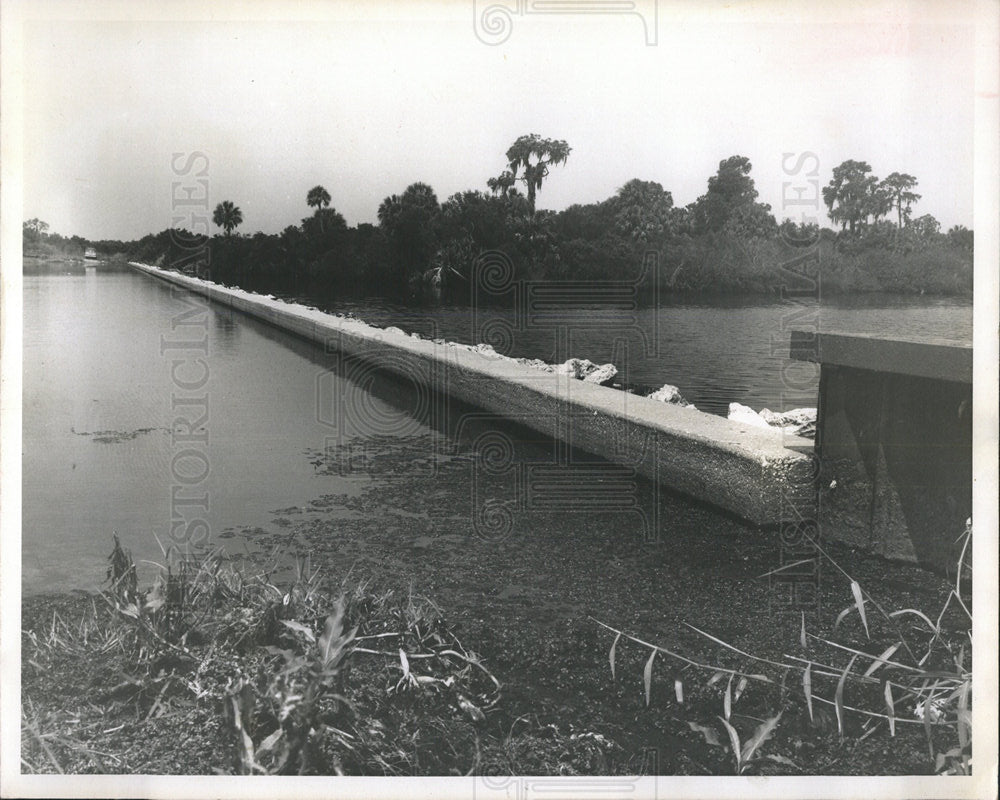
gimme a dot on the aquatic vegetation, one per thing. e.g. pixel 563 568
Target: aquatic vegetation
pixel 116 437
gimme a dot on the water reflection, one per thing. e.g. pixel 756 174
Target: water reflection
pixel 94 375
pixel 226 329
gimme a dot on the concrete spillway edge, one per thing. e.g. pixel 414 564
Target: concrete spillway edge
pixel 764 477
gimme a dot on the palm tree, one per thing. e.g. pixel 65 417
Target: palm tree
pixel 545 152
pixel 319 197
pixel 227 216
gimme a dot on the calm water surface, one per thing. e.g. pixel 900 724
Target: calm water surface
pixel 716 351
pixel 98 451
pixel 100 454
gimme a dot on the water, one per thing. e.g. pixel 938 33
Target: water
pixel 98 450
pixel 100 446
pixel 716 351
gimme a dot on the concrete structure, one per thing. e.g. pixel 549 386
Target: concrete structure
pixel 762 476
pixel 894 438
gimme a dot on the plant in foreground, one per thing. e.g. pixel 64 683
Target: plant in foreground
pixel 276 660
pixel 926 668
pixel 301 694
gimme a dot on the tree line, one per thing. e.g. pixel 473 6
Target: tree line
pixel 37 242
pixel 726 240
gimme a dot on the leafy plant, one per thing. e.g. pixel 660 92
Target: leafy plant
pixel 744 753
pixel 275 657
pixel 121 575
pixel 926 670
pixel 300 692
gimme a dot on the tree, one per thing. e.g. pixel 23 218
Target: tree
pixel 961 237
pixel 802 234
pixel 406 220
pixel 227 216
pixel 590 221
pixel 503 184
pixel 318 197
pixel 487 220
pixel 898 187
pixel 324 230
pixel 848 196
pixel 643 211
pixel 879 202
pixel 730 188
pixel 926 227
pixel 751 221
pixel 292 242
pixel 33 230
pixel 531 156
pixel 36 226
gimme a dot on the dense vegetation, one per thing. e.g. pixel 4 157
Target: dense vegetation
pixel 37 242
pixel 725 241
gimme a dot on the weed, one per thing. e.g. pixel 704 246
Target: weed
pixel 275 664
pixel 121 574
pixel 923 677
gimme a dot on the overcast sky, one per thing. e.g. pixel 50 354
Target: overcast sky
pixel 366 106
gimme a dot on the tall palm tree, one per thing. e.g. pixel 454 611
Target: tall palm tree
pixel 227 216
pixel 318 197
pixel 545 152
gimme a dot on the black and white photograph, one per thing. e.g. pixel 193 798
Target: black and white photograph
pixel 502 399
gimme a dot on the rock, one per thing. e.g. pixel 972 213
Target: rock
pixel 601 375
pixel 798 421
pixel 741 413
pixel 486 350
pixel 571 367
pixel 669 393
pixel 586 370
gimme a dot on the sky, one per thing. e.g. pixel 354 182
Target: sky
pixel 366 99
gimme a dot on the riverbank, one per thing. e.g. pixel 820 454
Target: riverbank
pixel 43 258
pixel 526 605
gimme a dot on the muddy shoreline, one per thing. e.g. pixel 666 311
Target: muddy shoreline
pixel 527 604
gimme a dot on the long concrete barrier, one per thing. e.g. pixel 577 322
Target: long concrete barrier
pixel 764 477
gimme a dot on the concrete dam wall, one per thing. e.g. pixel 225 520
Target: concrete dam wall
pixel 764 477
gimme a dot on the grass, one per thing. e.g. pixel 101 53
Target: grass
pixel 922 677
pixel 108 688
pixel 296 679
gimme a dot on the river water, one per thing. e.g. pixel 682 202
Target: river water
pixel 716 350
pixel 104 419
pixel 99 454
